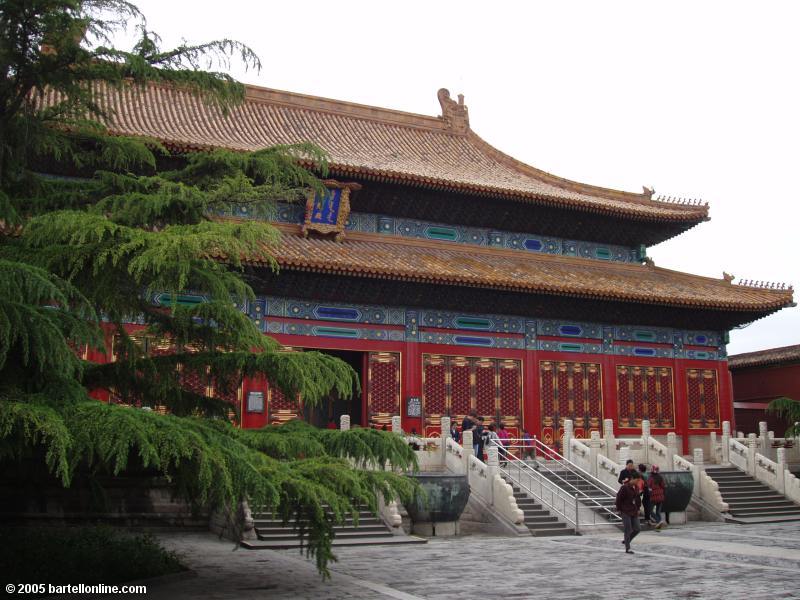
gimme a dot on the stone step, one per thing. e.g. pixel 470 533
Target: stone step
pixel 337 529
pixel 532 520
pixel 535 513
pixel 743 486
pixel 754 512
pixel 348 522
pixel 340 535
pixel 732 478
pixel 290 544
pixel 552 532
pixel 751 494
pixel 767 519
pixel 761 503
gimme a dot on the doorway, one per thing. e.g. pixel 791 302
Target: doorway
pixel 333 407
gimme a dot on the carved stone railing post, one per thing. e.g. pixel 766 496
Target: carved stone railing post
pixel 466 443
pixel 697 456
pixel 763 437
pixel 568 435
pixel 752 450
pixel 672 447
pixel 781 470
pixel 624 455
pixel 726 436
pixel 595 443
pixel 492 469
pixel 445 434
pixel 397 424
pixel 344 422
pixel 645 439
pixel 712 452
pixel 611 442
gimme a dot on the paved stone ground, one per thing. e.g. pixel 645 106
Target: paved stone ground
pixel 699 561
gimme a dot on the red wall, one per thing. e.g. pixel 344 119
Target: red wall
pixel 753 389
pixel 748 385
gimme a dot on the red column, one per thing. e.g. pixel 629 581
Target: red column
pixel 608 364
pixel 411 362
pixel 681 404
pixel 531 402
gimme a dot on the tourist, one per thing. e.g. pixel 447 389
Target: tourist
pixel 645 495
pixel 469 423
pixel 627 472
pixel 527 445
pixel 413 440
pixel 477 438
pixel 454 433
pixel 505 442
pixel 657 494
pixel 491 439
pixel 628 504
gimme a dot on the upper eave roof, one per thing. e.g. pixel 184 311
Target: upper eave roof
pixel 771 357
pixel 426 261
pixel 372 143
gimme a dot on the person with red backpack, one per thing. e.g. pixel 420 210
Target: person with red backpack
pixel 657 488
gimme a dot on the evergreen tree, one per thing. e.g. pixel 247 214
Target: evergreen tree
pixel 92 225
pixel 789 410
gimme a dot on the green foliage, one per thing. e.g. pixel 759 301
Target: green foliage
pixel 91 226
pixel 295 471
pixel 89 555
pixel 789 411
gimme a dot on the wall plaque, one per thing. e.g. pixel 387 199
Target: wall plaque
pixel 413 406
pixel 328 212
pixel 255 402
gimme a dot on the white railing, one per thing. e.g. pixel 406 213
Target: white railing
pixel 484 479
pixel 739 455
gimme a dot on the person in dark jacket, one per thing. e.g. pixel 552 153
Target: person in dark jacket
pixel 627 472
pixel 628 504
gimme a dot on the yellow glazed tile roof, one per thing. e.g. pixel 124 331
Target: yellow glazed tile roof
pixel 373 143
pixel 385 257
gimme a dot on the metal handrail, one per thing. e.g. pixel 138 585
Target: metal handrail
pixel 549 452
pixel 578 495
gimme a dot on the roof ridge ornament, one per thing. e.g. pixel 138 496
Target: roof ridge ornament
pixel 678 200
pixel 454 114
pixel 764 285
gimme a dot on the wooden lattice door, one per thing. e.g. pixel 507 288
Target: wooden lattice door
pixel 383 388
pixel 570 390
pixel 455 385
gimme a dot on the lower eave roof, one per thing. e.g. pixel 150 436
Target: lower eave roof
pixel 376 256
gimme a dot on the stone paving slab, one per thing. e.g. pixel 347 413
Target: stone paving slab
pixel 702 561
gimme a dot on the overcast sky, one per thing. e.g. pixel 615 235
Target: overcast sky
pixel 697 99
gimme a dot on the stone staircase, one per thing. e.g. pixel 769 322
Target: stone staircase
pixel 539 521
pixel 274 534
pixel 751 501
pixel 570 482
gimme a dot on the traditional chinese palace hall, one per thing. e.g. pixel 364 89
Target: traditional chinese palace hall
pixel 454 277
